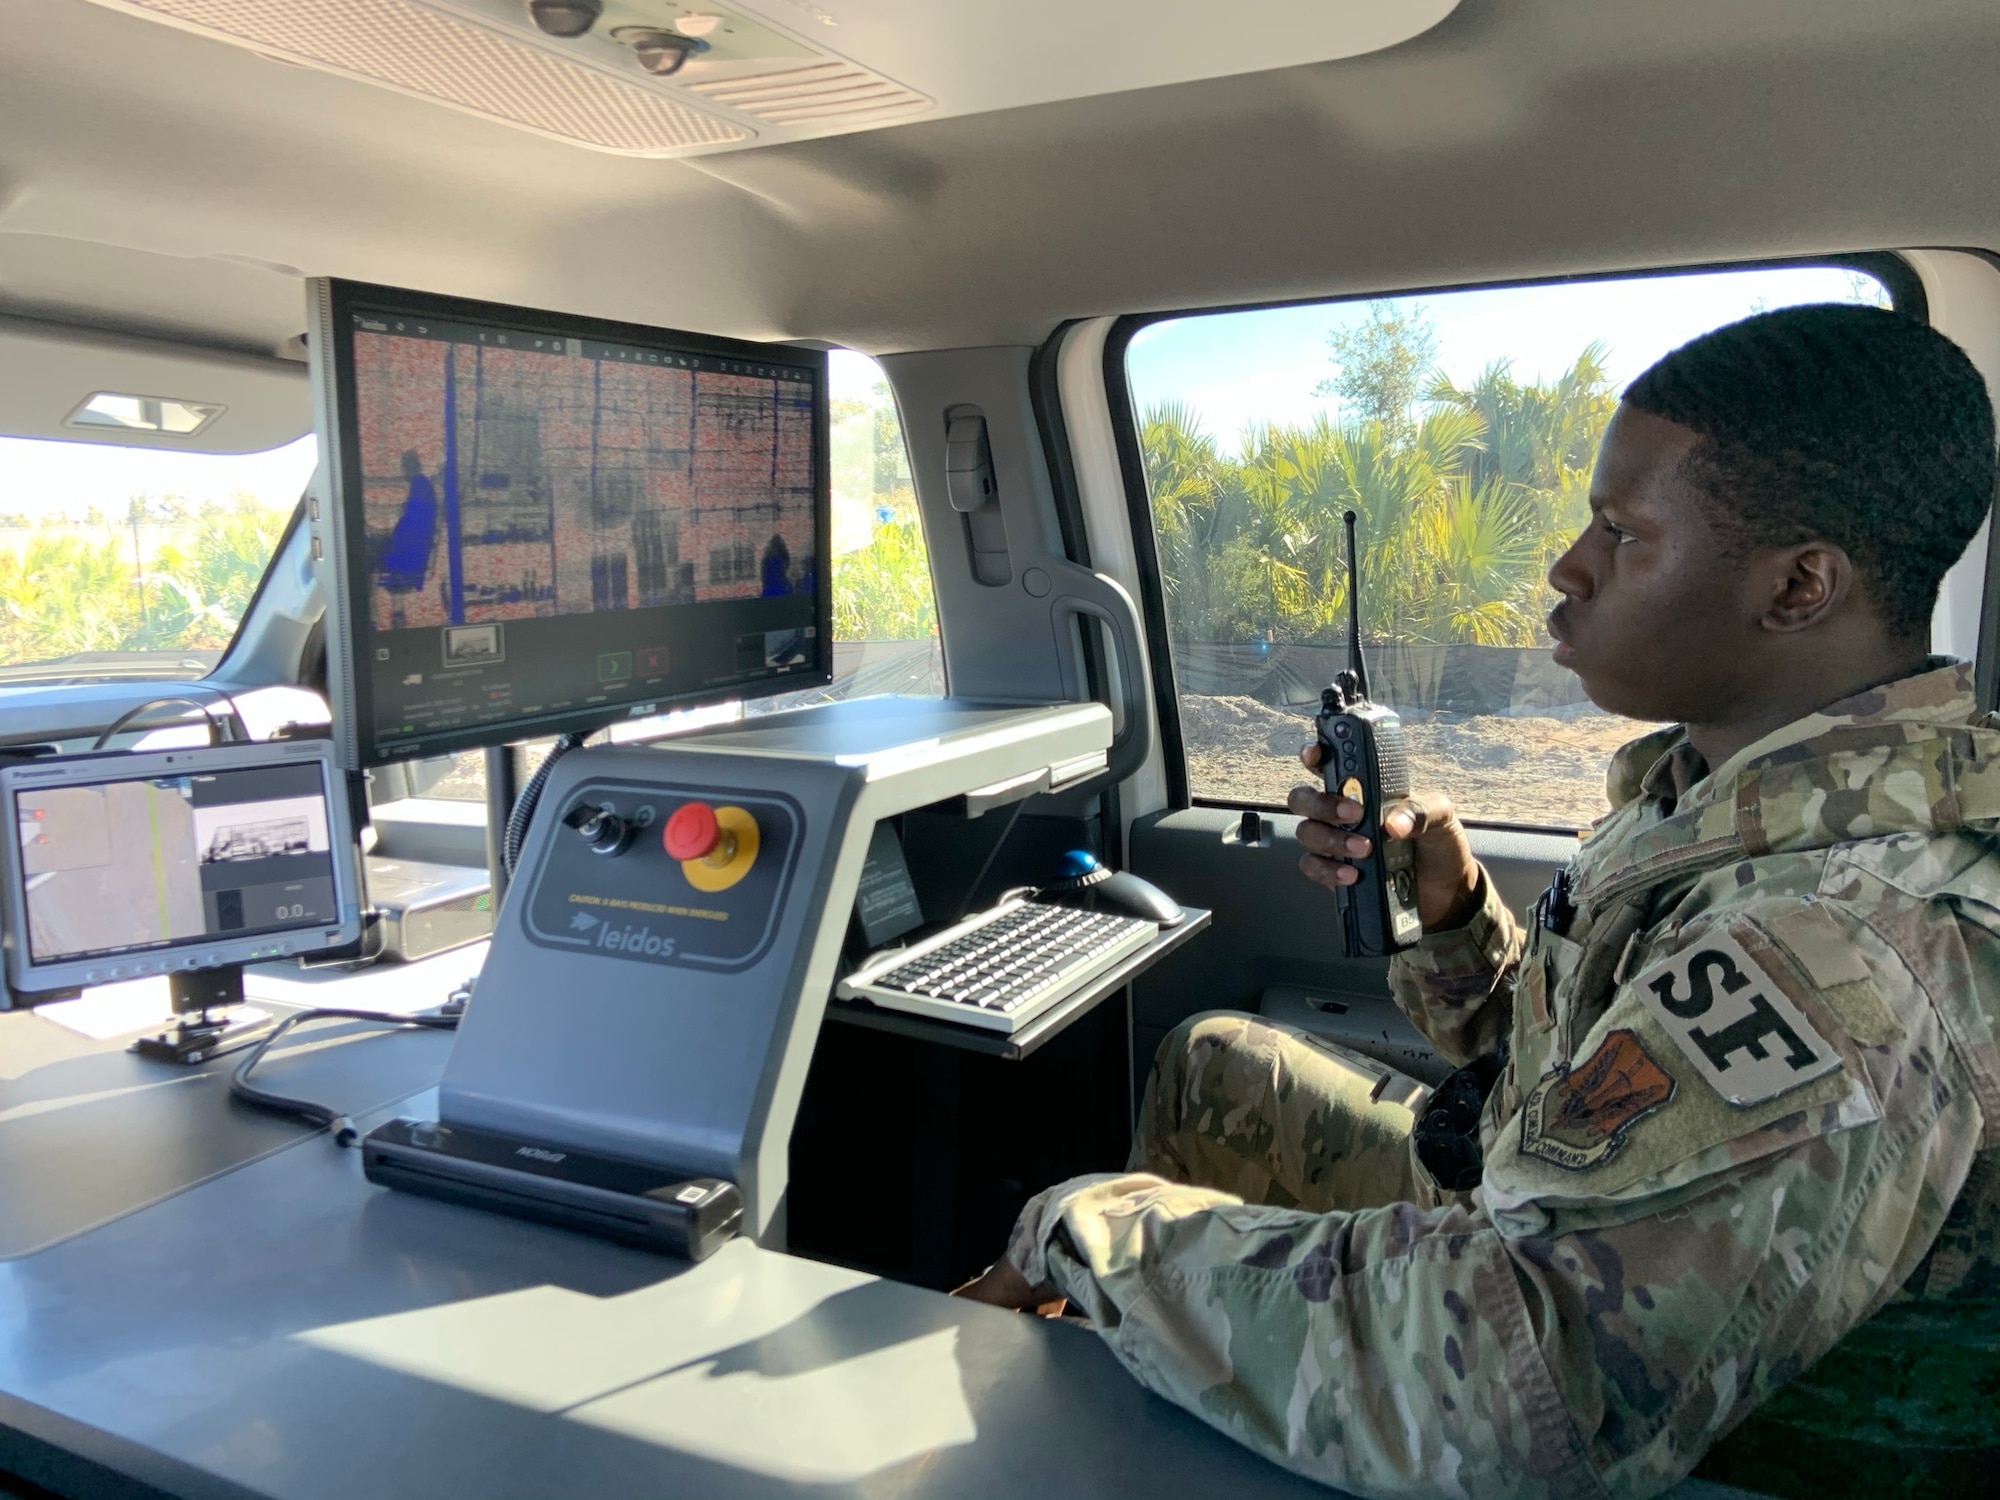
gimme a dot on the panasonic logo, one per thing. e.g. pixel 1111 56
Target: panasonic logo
pixel 537 1153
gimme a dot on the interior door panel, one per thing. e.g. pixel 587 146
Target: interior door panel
pixel 1275 944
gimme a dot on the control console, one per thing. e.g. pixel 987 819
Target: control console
pixel 681 875
pixel 658 971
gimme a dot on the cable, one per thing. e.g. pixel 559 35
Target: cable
pixel 318 1115
pixel 234 722
pixel 148 706
pixel 524 804
pixel 238 730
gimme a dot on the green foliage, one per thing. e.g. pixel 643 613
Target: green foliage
pixel 1380 366
pixel 1461 509
pixel 882 592
pixel 1541 439
pixel 65 590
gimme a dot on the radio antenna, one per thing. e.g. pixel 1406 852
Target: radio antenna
pixel 1355 663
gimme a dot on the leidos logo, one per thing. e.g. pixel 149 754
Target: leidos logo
pixel 635 940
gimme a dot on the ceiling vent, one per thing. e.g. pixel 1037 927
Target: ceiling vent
pixel 690 77
pixel 826 93
pixel 421 51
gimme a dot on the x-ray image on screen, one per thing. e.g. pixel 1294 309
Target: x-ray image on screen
pixel 550 523
pixel 508 483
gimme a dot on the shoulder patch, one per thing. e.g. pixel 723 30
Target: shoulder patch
pixel 1745 1038
pixel 1578 1116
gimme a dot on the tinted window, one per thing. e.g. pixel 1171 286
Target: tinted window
pixel 1461 428
pixel 127 562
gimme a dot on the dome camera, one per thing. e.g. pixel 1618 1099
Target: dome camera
pixel 661 53
pixel 565 18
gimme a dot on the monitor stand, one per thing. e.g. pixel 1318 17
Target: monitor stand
pixel 213 1018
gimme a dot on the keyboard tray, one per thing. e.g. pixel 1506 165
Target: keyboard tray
pixel 1044 1027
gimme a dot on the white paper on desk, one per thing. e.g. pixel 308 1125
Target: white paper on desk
pixel 110 1010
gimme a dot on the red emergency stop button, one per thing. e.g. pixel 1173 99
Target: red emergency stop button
pixel 692 832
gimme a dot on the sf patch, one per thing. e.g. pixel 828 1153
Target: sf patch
pixel 1579 1115
pixel 1734 1024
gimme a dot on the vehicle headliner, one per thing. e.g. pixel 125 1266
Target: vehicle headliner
pixel 155 182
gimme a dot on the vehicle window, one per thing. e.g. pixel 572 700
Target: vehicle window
pixel 885 637
pixel 1461 428
pixel 129 562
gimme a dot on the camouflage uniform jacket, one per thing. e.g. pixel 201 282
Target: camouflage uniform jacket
pixel 1743 1093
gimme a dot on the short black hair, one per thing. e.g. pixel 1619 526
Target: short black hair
pixel 1852 425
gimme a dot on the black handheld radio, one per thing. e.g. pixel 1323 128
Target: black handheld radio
pixel 1361 756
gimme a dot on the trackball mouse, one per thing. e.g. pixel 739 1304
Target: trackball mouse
pixel 1136 896
pixel 1082 881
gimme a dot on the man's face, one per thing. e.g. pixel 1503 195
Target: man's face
pixel 1653 617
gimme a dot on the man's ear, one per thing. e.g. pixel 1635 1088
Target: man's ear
pixel 1807 583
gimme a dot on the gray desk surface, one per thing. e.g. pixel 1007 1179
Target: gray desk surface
pixel 89 1132
pixel 286 1330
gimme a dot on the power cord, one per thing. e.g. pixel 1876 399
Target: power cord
pixel 319 1115
pixel 523 813
pixel 233 722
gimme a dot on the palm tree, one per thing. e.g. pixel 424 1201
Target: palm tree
pixel 62 595
pixel 1220 575
pixel 1543 438
pixel 1460 513
pixel 1474 565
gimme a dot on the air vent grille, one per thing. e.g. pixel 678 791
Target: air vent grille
pixel 829 92
pixel 440 57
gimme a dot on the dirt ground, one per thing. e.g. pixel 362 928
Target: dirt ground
pixel 1546 770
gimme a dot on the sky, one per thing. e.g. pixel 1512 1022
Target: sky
pixel 1239 369
pixel 49 480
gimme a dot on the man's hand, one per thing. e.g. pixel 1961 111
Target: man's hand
pixel 1003 1286
pixel 1447 874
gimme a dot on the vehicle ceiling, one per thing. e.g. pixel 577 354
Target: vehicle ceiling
pixel 154 181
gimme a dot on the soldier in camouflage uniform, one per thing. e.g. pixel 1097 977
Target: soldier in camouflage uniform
pixel 1742 1082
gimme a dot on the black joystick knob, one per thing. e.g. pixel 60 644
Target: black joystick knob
pixel 601 828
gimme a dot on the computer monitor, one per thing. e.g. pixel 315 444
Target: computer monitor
pixel 542 524
pixel 126 865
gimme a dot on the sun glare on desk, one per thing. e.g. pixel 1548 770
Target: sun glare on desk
pixel 713 1372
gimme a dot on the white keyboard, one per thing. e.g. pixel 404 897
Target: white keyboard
pixel 1001 968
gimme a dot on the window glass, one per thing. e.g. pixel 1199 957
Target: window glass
pixel 1461 428
pixel 457 778
pixel 885 637
pixel 127 562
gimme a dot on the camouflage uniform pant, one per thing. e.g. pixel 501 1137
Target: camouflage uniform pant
pixel 1277 1116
